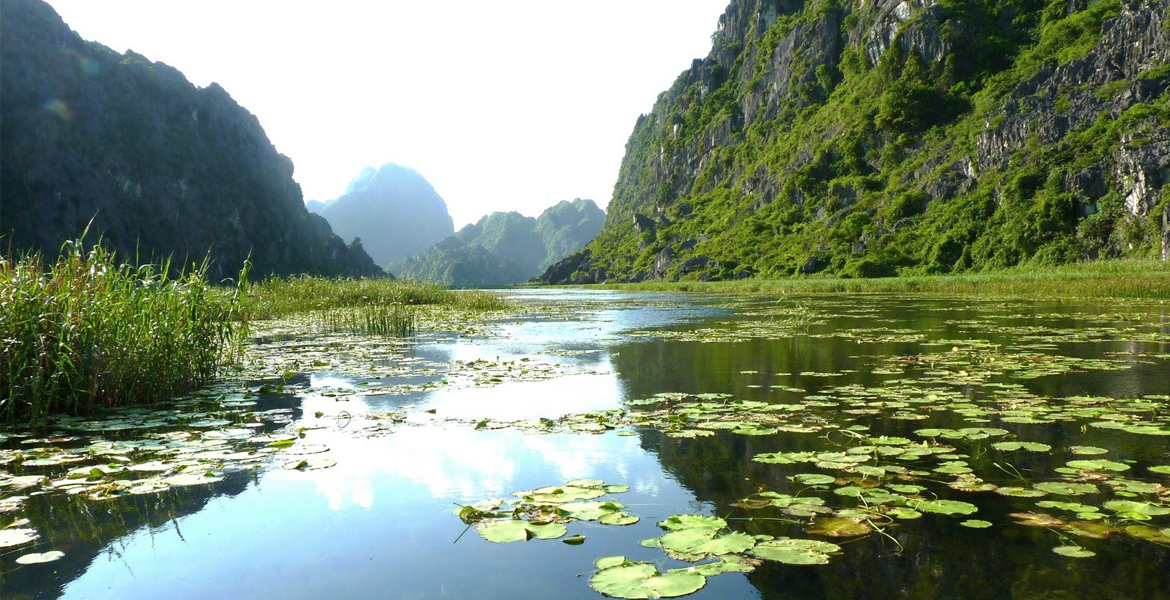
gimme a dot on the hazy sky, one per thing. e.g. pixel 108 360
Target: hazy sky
pixel 504 105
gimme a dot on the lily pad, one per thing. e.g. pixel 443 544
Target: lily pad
pixel 643 580
pixel 727 564
pixel 1019 492
pixel 17 537
pixel 1074 552
pixel 814 479
pixel 1065 488
pixel 678 522
pixel 1141 511
pixel 946 507
pixel 795 551
pixel 976 524
pixel 839 527
pixel 696 543
pixel 37 558
pixel 516 530
pixel 1097 465
pixel 1029 446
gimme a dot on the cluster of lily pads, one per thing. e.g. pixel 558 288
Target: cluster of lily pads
pixel 146 450
pixel 714 548
pixel 544 514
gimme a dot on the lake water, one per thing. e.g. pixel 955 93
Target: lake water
pixel 946 447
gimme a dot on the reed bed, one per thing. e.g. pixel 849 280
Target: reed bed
pixel 382 320
pixel 86 332
pixel 277 297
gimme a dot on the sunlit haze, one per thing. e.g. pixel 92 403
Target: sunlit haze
pixel 508 105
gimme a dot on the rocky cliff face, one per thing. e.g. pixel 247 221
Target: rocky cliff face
pixel 394 210
pixel 504 248
pixel 161 167
pixel 886 137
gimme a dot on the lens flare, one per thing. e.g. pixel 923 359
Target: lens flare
pixel 59 108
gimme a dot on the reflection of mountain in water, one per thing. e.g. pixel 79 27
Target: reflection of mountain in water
pixel 928 558
pixel 87 530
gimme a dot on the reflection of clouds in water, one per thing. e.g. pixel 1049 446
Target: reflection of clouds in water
pixel 528 400
pixel 455 464
pixel 465 465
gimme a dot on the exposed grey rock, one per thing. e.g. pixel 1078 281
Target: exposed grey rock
pixel 662 262
pixel 1142 169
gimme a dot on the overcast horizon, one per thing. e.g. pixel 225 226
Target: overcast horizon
pixel 510 106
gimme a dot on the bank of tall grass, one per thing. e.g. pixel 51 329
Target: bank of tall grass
pixel 1102 280
pixel 85 332
pixel 282 296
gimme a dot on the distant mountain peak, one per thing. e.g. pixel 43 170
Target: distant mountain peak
pixel 393 209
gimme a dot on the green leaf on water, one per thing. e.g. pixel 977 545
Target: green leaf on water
pixel 574 540
pixel 1140 511
pixel 1029 446
pixel 901 512
pixel 1087 450
pixel 643 580
pixel 976 524
pixel 795 551
pixel 678 522
pixel 17 537
pixel 696 543
pixel 945 507
pixel 618 518
pixel 727 564
pixel 515 530
pixel 37 558
pixel 1018 492
pixel 1163 469
pixel 1073 552
pixel 1066 488
pixel 814 479
pixel 839 527
pixel 1097 465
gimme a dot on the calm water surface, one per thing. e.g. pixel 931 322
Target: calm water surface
pixel 379 524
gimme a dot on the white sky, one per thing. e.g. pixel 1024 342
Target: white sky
pixel 504 105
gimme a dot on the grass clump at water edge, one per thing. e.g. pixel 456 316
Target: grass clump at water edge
pixel 85 332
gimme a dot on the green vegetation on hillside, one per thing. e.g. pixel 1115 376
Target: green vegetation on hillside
pixel 987 135
pixel 505 248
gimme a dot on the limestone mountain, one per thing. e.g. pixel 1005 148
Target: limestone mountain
pixel 506 247
pixel 870 138
pixel 394 211
pixel 163 168
pixel 317 207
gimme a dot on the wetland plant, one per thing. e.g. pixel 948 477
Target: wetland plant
pixel 87 332
pixel 384 320
pixel 281 296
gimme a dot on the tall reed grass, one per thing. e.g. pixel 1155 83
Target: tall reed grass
pixel 278 297
pixel 86 332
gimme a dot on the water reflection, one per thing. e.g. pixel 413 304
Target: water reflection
pixel 379 523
